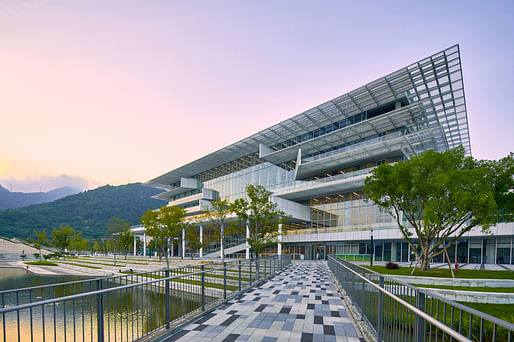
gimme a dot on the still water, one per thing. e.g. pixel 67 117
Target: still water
pixel 127 314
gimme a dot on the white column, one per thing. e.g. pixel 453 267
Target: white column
pixel 247 244
pixel 201 241
pixel 279 247
pixel 134 246
pixel 183 243
pixel 456 246
pixel 144 244
pixel 172 251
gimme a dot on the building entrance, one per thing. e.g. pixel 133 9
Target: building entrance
pixel 319 253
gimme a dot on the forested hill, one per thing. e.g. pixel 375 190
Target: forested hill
pixel 88 211
pixel 9 200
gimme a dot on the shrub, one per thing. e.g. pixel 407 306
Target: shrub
pixel 392 266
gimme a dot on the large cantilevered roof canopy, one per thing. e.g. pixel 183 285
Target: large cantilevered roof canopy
pixel 434 82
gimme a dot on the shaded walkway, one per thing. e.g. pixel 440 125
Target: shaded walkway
pixel 299 304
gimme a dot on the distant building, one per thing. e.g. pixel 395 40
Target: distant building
pixel 315 164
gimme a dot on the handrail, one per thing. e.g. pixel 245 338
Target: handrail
pixel 95 292
pixel 460 306
pixel 418 312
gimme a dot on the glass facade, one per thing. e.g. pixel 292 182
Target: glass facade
pixel 315 164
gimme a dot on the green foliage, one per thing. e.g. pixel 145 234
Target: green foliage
pixel 193 239
pixel 41 239
pixel 78 243
pixel 98 246
pixel 88 211
pixel 163 226
pixel 501 175
pixel 262 215
pixel 441 195
pixel 126 238
pixel 61 238
pixel 216 219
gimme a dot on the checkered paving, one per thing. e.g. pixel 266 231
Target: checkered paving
pixel 301 303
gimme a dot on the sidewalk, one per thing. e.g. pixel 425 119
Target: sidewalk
pixel 299 304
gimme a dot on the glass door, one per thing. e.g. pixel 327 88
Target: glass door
pixel 319 253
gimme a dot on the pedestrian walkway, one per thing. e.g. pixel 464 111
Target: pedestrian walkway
pixel 301 303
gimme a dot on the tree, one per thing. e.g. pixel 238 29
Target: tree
pixel 441 196
pixel 78 242
pixel 40 240
pixel 262 216
pixel 113 245
pixel 216 219
pixel 164 225
pixel 126 239
pixel 193 239
pixel 61 238
pixel 501 175
pixel 98 246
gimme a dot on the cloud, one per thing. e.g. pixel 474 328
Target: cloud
pixel 47 183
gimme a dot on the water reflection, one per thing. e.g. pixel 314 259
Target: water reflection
pixel 127 314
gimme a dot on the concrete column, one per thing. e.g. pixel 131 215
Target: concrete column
pixel 134 246
pixel 172 251
pixel 456 247
pixel 279 247
pixel 183 243
pixel 247 244
pixel 201 241
pixel 144 244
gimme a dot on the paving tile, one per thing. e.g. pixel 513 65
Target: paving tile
pixel 301 303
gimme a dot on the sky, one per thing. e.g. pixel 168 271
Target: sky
pixel 111 92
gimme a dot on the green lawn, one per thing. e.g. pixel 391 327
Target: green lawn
pixel 502 311
pixel 445 273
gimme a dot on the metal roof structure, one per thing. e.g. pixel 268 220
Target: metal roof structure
pixel 434 84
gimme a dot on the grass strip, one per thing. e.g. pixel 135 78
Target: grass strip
pixel 468 288
pixel 444 273
pixel 188 281
pixel 80 265
pixel 41 263
pixel 218 276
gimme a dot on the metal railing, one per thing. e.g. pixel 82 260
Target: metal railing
pixel 397 311
pixel 128 307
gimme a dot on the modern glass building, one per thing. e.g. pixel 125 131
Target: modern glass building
pixel 315 164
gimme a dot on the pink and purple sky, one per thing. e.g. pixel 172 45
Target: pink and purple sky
pixel 110 92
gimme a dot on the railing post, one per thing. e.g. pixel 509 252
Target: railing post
pixel 203 287
pixel 380 310
pixel 363 297
pixel 239 275
pixel 100 311
pixel 420 321
pixel 224 280
pixel 257 269
pixel 167 299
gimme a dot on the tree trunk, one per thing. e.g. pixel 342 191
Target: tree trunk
pixel 448 261
pixel 425 262
pixel 222 235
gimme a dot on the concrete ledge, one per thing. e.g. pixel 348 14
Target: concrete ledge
pixel 456 281
pixel 474 296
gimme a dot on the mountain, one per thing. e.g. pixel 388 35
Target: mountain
pixel 11 200
pixel 87 211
